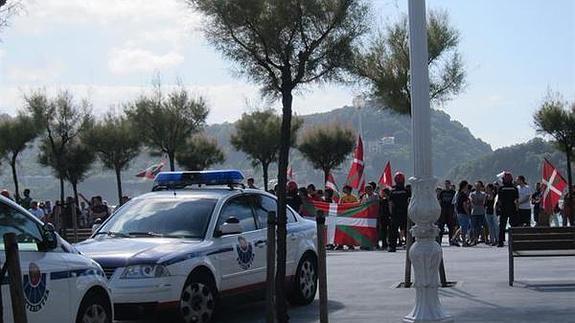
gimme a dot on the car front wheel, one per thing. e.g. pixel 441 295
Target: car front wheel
pixel 305 281
pixel 94 308
pixel 198 301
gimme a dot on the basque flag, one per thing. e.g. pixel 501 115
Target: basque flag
pixel 552 185
pixel 347 223
pixel 355 175
pixel 386 180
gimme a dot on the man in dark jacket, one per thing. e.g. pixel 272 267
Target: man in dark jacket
pixel 398 202
pixel 507 198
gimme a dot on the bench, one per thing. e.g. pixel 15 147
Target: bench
pixel 83 234
pixel 539 242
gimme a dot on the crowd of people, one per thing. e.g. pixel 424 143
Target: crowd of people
pixel 61 215
pixel 470 213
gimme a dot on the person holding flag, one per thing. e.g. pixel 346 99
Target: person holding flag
pixel 552 187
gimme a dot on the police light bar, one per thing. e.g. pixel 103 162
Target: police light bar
pixel 210 177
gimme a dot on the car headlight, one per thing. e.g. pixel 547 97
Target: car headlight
pixel 145 271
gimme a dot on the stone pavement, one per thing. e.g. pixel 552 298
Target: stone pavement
pixel 361 289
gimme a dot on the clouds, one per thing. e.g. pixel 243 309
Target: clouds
pixel 127 60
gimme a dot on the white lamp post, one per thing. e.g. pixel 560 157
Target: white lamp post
pixel 425 253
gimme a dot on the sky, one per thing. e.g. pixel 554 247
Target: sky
pixel 109 51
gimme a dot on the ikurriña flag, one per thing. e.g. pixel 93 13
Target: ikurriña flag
pixel 552 186
pixel 355 174
pixel 386 179
pixel 348 223
pixel 152 171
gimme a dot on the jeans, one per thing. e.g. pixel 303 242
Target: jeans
pixel 464 223
pixel 491 220
pixel 525 217
pixel 476 225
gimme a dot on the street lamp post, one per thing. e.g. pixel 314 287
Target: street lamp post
pixel 425 253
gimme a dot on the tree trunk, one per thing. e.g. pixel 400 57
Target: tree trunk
pixel 326 172
pixel 119 184
pixel 171 157
pixel 61 191
pixel 570 183
pixel 15 178
pixel 281 306
pixel 265 172
pixel 74 207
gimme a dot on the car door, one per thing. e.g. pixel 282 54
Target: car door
pixel 240 267
pixel 45 292
pixel 263 204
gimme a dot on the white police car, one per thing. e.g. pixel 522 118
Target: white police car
pixel 187 249
pixel 59 284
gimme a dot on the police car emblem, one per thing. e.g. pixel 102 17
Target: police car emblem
pixel 35 290
pixel 245 253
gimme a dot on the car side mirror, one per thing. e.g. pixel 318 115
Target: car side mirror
pixel 49 237
pixel 231 226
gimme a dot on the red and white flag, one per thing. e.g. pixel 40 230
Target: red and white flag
pixel 330 183
pixel 355 174
pixel 386 180
pixel 348 223
pixel 552 186
pixel 152 171
pixel 290 175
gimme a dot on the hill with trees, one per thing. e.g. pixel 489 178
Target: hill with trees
pixel 522 159
pixel 386 136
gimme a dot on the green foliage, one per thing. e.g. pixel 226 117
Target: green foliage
pixel 199 153
pixel 163 122
pixel 326 147
pixel 258 135
pixel 556 119
pixel 79 159
pixel 384 65
pixel 61 120
pixel 15 136
pixel 283 44
pixel 114 140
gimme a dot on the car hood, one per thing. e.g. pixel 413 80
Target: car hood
pixel 120 252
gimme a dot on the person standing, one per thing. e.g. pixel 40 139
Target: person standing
pixel 36 211
pixel 477 199
pixel 490 215
pixel 292 197
pixel 536 201
pixel 398 204
pixel 251 183
pixel 384 217
pixel 462 207
pixel 507 198
pixel 347 196
pixel 524 201
pixel 26 201
pixel 447 216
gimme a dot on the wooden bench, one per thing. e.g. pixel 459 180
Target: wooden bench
pixel 539 242
pixel 83 234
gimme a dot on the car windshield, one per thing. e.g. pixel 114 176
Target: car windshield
pixel 161 217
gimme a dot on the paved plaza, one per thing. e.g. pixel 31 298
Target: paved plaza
pixel 361 289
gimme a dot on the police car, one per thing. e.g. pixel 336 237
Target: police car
pixel 185 249
pixel 59 284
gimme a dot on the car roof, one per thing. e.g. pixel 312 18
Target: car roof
pixel 20 208
pixel 207 192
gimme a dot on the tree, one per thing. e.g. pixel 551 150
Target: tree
pixel 15 136
pixel 283 46
pixel 384 66
pixel 200 153
pixel 258 135
pixel 116 144
pixel 163 122
pixel 8 8
pixel 79 159
pixel 326 147
pixel 556 119
pixel 61 120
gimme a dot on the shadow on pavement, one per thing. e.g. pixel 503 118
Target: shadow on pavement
pixel 255 312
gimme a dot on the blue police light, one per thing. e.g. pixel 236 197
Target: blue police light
pixel 210 177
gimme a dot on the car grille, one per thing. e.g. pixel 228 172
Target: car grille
pixel 109 271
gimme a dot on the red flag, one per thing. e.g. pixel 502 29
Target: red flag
pixel 552 186
pixel 152 171
pixel 349 223
pixel 290 175
pixel 356 171
pixel 330 183
pixel 386 180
